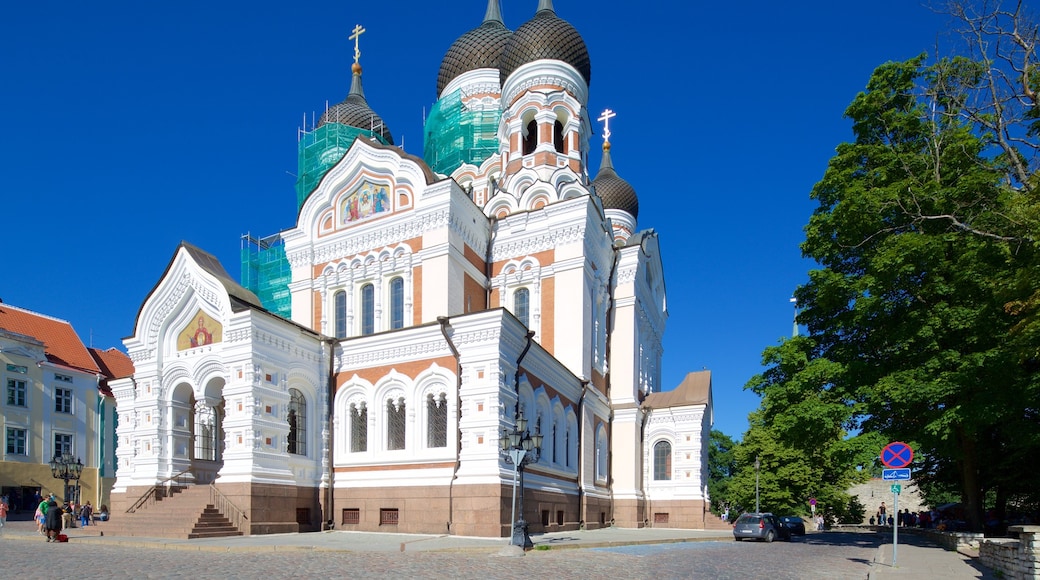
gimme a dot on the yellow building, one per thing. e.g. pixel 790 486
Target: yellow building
pixel 56 401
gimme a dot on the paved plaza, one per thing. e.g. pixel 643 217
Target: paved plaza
pixel 656 554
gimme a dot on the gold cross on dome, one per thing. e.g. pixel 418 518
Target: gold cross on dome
pixel 606 117
pixel 356 33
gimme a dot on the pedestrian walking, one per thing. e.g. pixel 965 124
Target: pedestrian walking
pixel 84 514
pixel 3 513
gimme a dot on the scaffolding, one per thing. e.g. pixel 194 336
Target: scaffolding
pixel 266 272
pixel 456 134
pixel 322 148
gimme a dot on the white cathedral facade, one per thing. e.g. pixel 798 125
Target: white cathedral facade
pixel 430 302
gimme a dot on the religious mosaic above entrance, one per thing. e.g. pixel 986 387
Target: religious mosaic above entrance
pixel 202 330
pixel 364 202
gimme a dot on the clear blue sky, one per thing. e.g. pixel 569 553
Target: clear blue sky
pixel 127 127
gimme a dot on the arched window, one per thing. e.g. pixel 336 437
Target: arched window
pixel 358 427
pixel 558 141
pixel 567 453
pixel 521 306
pixel 437 420
pixel 555 446
pixel 601 453
pixel 368 309
pixel 297 442
pixel 531 137
pixel 395 422
pixel 662 461
pixel 397 303
pixel 340 301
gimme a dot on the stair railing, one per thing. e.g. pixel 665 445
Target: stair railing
pixel 152 495
pixel 226 507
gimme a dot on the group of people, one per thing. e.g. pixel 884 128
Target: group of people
pixel 51 518
pixel 906 518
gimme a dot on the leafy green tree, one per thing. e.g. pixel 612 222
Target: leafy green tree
pixel 909 301
pixel 801 433
pixel 722 465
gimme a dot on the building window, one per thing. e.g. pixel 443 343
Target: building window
pixel 352 516
pixel 62 378
pixel 662 461
pixel 62 400
pixel 567 455
pixel 18 369
pixel 558 141
pixel 395 422
pixel 62 444
pixel 358 428
pixel 437 420
pixel 368 309
pixel 388 517
pixel 340 301
pixel 16 392
pixel 297 442
pixel 521 306
pixel 397 303
pixel 554 445
pixel 601 453
pixel 531 137
pixel 16 441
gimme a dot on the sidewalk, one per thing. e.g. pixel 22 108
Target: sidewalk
pixel 916 557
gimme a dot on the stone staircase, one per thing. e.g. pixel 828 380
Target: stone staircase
pixel 185 512
pixel 714 522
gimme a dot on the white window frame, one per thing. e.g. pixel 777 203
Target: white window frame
pixel 70 399
pixel 12 383
pixel 24 440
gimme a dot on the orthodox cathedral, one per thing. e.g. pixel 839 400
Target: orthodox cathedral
pixel 428 324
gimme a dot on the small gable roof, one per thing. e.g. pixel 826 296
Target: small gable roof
pixel 695 389
pixel 114 364
pixel 241 297
pixel 62 346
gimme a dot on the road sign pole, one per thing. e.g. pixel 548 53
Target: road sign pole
pixel 895 531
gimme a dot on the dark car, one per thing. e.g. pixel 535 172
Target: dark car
pixel 765 527
pixel 794 523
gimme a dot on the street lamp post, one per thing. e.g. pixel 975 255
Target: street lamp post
pixel 520 448
pixel 63 467
pixel 757 464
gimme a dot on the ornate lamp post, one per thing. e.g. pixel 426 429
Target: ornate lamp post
pixel 63 467
pixel 520 448
pixel 757 464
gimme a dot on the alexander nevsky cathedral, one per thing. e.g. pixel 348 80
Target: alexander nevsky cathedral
pixel 444 344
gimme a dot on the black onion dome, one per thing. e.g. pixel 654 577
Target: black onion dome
pixel 479 48
pixel 355 112
pixel 615 192
pixel 546 36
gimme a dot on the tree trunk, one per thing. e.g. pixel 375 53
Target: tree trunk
pixel 972 492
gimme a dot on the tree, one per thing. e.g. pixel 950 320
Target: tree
pixel 722 465
pixel 801 432
pixel 911 297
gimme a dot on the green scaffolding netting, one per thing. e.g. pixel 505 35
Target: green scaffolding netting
pixel 319 150
pixel 455 135
pixel 266 273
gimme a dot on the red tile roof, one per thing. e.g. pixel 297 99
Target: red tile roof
pixel 61 343
pixel 114 365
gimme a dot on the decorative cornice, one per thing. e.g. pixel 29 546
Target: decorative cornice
pixel 538 243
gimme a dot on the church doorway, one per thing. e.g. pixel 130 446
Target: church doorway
pixel 199 430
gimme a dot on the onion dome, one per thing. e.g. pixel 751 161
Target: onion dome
pixel 546 36
pixel 479 48
pixel 355 112
pixel 615 192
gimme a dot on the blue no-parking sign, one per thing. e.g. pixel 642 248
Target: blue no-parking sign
pixel 897 455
